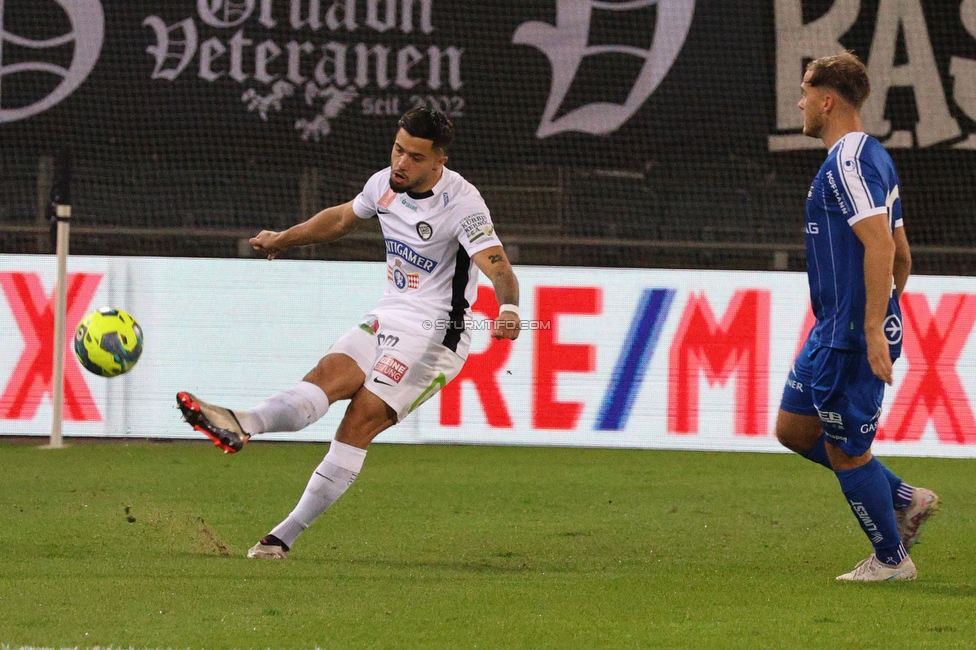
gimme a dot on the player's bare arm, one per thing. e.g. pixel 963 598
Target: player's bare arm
pixel 326 226
pixel 495 265
pixel 903 260
pixel 879 256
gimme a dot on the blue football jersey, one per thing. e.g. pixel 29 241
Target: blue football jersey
pixel 856 181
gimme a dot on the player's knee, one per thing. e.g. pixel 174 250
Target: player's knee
pixel 783 432
pixel 366 417
pixel 797 433
pixel 781 437
pixel 785 438
pixel 338 375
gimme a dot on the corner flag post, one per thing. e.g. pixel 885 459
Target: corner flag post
pixel 60 209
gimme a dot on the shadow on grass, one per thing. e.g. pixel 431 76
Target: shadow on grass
pixel 382 568
pixel 944 589
pixel 482 566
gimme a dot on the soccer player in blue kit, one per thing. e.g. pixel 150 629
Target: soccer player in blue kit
pixel 858 262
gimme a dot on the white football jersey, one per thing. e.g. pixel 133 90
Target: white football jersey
pixel 430 239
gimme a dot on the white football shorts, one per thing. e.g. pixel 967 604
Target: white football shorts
pixel 402 368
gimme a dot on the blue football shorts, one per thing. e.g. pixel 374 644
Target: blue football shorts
pixel 838 387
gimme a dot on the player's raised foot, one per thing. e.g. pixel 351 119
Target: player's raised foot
pixel 215 422
pixel 269 548
pixel 924 505
pixel 873 570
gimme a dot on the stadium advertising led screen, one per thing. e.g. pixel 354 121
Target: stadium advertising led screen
pixel 607 358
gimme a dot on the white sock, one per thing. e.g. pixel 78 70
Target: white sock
pixel 331 478
pixel 290 410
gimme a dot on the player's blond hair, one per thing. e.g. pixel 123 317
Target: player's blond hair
pixel 843 73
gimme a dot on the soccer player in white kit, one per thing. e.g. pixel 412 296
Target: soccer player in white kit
pixel 438 234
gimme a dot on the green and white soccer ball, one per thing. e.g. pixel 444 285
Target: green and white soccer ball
pixel 108 342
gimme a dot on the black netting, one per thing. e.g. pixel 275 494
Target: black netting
pixel 610 133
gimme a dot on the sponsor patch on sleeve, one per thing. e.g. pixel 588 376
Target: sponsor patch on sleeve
pixel 477 226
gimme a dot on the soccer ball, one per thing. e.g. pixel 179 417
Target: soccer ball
pixel 108 342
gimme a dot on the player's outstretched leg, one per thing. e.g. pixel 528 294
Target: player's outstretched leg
pixel 215 422
pixel 923 505
pixel 290 410
pixel 331 478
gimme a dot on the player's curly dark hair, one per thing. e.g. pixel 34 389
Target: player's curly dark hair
pixel 422 122
pixel 843 73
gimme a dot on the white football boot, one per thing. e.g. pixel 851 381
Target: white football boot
pixel 263 551
pixel 873 570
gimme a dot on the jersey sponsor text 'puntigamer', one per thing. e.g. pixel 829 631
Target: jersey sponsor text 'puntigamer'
pixel 407 254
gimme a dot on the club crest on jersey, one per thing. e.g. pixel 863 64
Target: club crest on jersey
pixel 424 230
pixel 410 256
pixel 893 329
pixel 447 199
pixel 400 278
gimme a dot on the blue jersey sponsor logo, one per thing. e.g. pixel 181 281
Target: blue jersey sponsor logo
pixel 409 255
pixel 841 203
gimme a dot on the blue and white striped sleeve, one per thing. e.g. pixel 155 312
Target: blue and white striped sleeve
pixel 860 180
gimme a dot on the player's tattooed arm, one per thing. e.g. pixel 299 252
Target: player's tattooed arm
pixel 494 263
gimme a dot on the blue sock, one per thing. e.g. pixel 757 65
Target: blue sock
pixel 869 495
pixel 902 495
pixel 901 492
pixel 818 454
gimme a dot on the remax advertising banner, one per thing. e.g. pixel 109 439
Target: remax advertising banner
pixel 646 359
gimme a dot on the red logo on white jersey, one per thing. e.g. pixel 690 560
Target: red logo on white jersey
pixel 391 367
pixel 387 199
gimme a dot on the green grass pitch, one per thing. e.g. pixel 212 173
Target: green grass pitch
pixel 142 545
